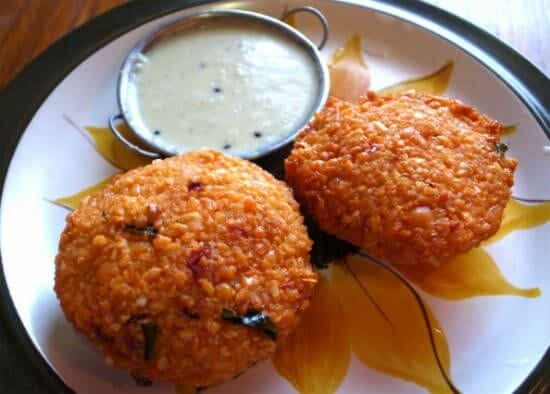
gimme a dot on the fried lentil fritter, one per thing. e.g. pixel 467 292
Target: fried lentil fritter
pixel 412 178
pixel 148 267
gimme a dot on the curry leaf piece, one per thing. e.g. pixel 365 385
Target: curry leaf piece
pixel 147 230
pixel 254 319
pixel 150 333
pixel 501 148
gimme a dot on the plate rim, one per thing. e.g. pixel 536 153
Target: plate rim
pixel 24 95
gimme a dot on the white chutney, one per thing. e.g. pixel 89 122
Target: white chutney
pixel 233 86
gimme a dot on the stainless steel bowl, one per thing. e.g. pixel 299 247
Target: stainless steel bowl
pixel 127 93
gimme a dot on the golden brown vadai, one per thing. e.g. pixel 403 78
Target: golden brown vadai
pixel 412 178
pixel 160 269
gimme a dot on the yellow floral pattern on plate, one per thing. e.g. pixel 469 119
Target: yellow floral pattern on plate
pixel 396 342
pixel 71 202
pixel 520 216
pixel 328 359
pixel 508 130
pixel 385 330
pixel 472 274
pixel 435 83
pixel 115 152
pixel 349 73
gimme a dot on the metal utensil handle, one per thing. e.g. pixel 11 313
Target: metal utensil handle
pixel 121 138
pixel 318 14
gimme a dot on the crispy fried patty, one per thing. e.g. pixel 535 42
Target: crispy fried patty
pixel 147 266
pixel 413 178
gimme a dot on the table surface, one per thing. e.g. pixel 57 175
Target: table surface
pixel 28 27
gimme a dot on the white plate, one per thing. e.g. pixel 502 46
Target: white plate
pixel 495 342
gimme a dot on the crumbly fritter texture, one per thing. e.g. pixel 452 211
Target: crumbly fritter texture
pixel 413 178
pixel 171 244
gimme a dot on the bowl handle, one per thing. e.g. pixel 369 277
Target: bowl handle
pixel 112 124
pixel 318 14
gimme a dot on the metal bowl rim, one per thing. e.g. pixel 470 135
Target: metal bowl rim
pixel 142 45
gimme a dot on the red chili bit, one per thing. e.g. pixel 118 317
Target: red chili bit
pixel 454 224
pixel 286 284
pixel 236 231
pixel 373 148
pixel 194 185
pixel 193 262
